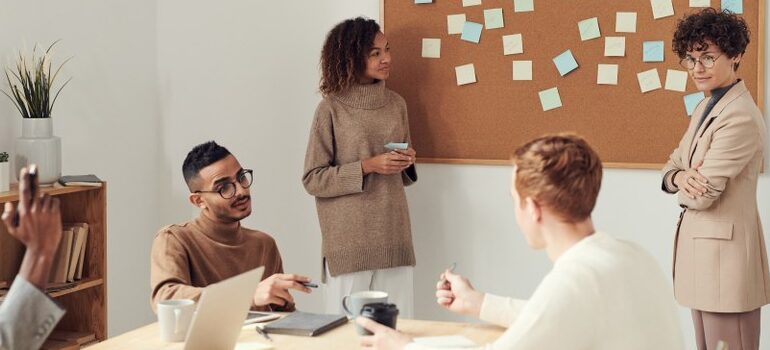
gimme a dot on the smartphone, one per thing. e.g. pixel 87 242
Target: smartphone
pixel 256 317
pixel 396 146
pixel 32 181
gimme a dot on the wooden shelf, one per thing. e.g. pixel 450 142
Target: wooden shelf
pixel 84 284
pixel 13 194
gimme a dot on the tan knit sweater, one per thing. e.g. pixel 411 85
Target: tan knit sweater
pixel 190 256
pixel 364 219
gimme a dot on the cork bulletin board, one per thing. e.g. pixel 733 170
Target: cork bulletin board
pixel 482 122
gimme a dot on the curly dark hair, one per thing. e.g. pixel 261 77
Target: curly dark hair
pixel 725 29
pixel 344 54
pixel 200 157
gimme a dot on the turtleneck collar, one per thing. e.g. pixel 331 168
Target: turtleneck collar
pixel 717 93
pixel 219 232
pixel 364 96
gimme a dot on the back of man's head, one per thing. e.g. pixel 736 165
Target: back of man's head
pixel 200 157
pixel 560 172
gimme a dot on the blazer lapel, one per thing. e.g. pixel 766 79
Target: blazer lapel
pixel 730 96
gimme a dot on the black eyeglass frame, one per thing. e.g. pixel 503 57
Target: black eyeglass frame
pixel 232 184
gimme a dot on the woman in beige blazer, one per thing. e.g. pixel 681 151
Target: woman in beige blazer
pixel 720 261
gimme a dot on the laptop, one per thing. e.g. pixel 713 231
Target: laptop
pixel 221 310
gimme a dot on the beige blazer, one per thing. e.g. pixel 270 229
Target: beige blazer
pixel 720 260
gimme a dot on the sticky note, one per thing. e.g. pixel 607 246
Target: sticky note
pixel 649 80
pixel 700 3
pixel 691 101
pixel 493 18
pixel 589 29
pixel 662 8
pixel 523 6
pixel 734 6
pixel 466 74
pixel 652 51
pixel 565 62
pixel 455 23
pixel 550 99
pixel 512 44
pixel 625 22
pixel 676 80
pixel 522 70
pixel 614 46
pixel 467 3
pixel 431 48
pixel 472 32
pixel 607 74
pixel 423 1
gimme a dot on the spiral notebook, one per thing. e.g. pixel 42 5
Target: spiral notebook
pixel 305 324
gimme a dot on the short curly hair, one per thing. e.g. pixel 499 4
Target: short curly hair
pixel 561 172
pixel 724 29
pixel 344 54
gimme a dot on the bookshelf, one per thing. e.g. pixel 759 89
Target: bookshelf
pixel 86 301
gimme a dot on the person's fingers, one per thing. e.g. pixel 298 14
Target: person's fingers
pixel 44 203
pixel 8 214
pixel 444 294
pixel 445 302
pixel 55 205
pixel 296 286
pixel 293 277
pixel 367 341
pixel 24 190
pixel 370 325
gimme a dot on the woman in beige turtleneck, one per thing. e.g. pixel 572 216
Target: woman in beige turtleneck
pixel 359 183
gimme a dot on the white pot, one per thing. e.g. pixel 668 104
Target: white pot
pixel 37 145
pixel 5 177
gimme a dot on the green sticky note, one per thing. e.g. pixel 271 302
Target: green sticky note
pixel 523 6
pixel 550 99
pixel 589 29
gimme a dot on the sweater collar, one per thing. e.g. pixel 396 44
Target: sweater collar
pixel 364 96
pixel 218 231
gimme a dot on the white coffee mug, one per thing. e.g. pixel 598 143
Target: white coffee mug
pixel 352 304
pixel 174 317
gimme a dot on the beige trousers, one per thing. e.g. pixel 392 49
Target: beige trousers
pixel 398 282
pixel 740 330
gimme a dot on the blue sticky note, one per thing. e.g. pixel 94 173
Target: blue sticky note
pixel 472 32
pixel 652 51
pixel 691 101
pixel 734 6
pixel 565 62
pixel 423 1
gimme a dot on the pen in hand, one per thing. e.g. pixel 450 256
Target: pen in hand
pixel 263 333
pixel 451 268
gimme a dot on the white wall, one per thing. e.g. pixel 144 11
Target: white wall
pixel 108 119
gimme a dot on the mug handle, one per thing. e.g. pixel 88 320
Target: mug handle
pixel 177 315
pixel 345 306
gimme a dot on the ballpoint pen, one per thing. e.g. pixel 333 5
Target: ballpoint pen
pixel 263 333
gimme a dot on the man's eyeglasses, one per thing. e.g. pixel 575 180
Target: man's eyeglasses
pixel 706 60
pixel 227 189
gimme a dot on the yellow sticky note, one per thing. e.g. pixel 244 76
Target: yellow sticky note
pixel 615 46
pixel 676 80
pixel 625 22
pixel 662 8
pixel 466 74
pixel 648 80
pixel 455 23
pixel 431 48
pixel 607 74
pixel 512 44
pixel 467 3
pixel 522 70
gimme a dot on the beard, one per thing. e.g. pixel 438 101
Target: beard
pixel 231 213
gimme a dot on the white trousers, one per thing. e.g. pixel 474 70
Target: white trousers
pixel 398 282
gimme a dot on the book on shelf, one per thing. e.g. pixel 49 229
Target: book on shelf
pixel 80 180
pixel 70 256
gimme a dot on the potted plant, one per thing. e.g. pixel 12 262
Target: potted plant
pixel 31 86
pixel 5 175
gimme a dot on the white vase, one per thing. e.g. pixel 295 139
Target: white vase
pixel 5 177
pixel 37 145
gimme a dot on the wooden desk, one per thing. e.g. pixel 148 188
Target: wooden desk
pixel 340 338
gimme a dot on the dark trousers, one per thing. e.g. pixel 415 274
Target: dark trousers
pixel 739 331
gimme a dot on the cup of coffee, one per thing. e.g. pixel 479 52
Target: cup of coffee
pixel 355 302
pixel 174 317
pixel 382 313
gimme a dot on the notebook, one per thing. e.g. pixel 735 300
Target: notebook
pixel 305 324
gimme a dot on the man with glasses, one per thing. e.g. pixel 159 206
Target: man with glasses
pixel 187 257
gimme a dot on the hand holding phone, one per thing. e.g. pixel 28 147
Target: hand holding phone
pixel 33 185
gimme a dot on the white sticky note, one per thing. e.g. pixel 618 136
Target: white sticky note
pixel 423 1
pixel 607 74
pixel 550 99
pixel 522 70
pixel 676 80
pixel 523 6
pixel 512 44
pixel 700 3
pixel 615 46
pixel 493 18
pixel 662 8
pixel 625 22
pixel 431 48
pixel 648 80
pixel 466 74
pixel 467 3
pixel 589 29
pixel 455 23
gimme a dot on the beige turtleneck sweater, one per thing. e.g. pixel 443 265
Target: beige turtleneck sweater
pixel 187 257
pixel 364 219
